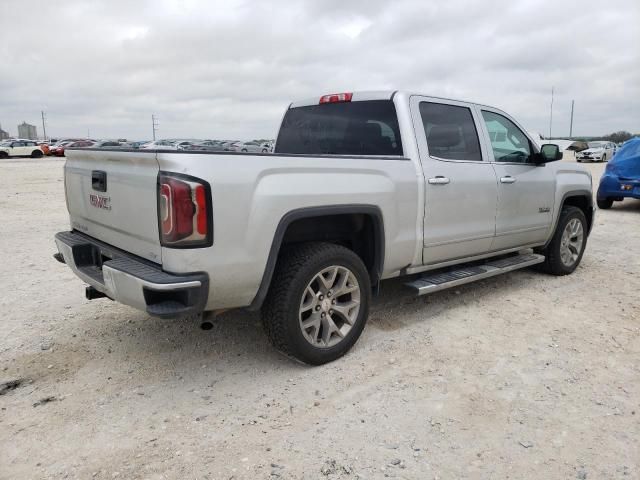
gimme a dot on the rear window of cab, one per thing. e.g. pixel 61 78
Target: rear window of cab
pixel 347 128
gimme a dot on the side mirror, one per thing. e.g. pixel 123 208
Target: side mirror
pixel 550 152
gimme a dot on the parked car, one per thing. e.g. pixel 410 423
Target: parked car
pixel 254 147
pixel 108 144
pixel 20 148
pixel 231 146
pixel 59 149
pixel 597 151
pixel 160 145
pixel 44 146
pixel 136 144
pixel 206 146
pixel 360 188
pixel 621 178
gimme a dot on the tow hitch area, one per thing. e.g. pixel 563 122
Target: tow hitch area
pixel 92 293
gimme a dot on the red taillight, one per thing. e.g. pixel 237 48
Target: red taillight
pixel 184 213
pixel 336 98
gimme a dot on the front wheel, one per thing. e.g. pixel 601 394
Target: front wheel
pixel 37 154
pixel 604 158
pixel 564 252
pixel 318 302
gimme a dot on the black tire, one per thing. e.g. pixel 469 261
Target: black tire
pixel 296 267
pixel 553 264
pixel 37 154
pixel 604 203
pixel 244 150
pixel 604 158
pixel 4 155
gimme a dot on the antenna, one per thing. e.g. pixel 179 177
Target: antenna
pixel 154 125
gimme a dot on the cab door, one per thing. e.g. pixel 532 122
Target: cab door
pixel 526 191
pixel 460 183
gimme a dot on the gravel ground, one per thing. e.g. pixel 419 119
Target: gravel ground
pixel 519 376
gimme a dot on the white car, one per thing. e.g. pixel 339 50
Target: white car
pixel 20 148
pixel 160 145
pixel 597 151
pixel 254 147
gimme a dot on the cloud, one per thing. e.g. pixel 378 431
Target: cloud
pixel 228 69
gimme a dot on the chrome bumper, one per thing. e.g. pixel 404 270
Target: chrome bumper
pixel 131 280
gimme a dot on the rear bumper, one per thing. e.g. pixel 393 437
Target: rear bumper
pixel 611 186
pixel 131 280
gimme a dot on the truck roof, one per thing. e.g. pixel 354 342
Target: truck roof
pixel 377 95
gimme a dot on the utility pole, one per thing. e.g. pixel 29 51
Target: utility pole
pixel 154 125
pixel 551 114
pixel 44 128
pixel 571 124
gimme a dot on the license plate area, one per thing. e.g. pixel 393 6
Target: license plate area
pixel 89 259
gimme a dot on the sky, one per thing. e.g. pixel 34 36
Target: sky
pixel 228 69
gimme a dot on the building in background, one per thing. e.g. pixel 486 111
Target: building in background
pixel 3 134
pixel 27 131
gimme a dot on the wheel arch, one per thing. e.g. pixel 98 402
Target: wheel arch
pixel 582 199
pixel 307 224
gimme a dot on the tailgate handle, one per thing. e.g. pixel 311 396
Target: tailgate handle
pixel 99 180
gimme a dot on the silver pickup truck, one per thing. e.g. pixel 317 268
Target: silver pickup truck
pixel 361 187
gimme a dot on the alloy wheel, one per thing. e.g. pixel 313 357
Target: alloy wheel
pixel 329 306
pixel 571 242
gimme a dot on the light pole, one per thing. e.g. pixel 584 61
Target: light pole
pixel 154 125
pixel 44 127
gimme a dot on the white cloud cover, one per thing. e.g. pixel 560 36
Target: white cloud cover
pixel 228 69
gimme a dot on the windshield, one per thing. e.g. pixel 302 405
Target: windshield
pixel 596 145
pixel 348 128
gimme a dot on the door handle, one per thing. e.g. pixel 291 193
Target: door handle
pixel 507 179
pixel 438 180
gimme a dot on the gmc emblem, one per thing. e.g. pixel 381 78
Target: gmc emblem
pixel 99 201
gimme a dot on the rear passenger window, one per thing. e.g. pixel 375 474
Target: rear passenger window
pixel 451 132
pixel 349 128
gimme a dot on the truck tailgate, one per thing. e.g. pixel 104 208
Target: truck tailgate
pixel 111 196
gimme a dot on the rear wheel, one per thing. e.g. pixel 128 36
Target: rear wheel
pixel 564 252
pixel 37 154
pixel 318 302
pixel 604 203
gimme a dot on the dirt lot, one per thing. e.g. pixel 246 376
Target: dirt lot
pixel 520 376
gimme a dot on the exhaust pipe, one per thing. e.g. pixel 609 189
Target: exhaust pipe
pixel 92 293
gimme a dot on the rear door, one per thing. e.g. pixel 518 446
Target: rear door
pixel 526 191
pixel 461 190
pixel 111 196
